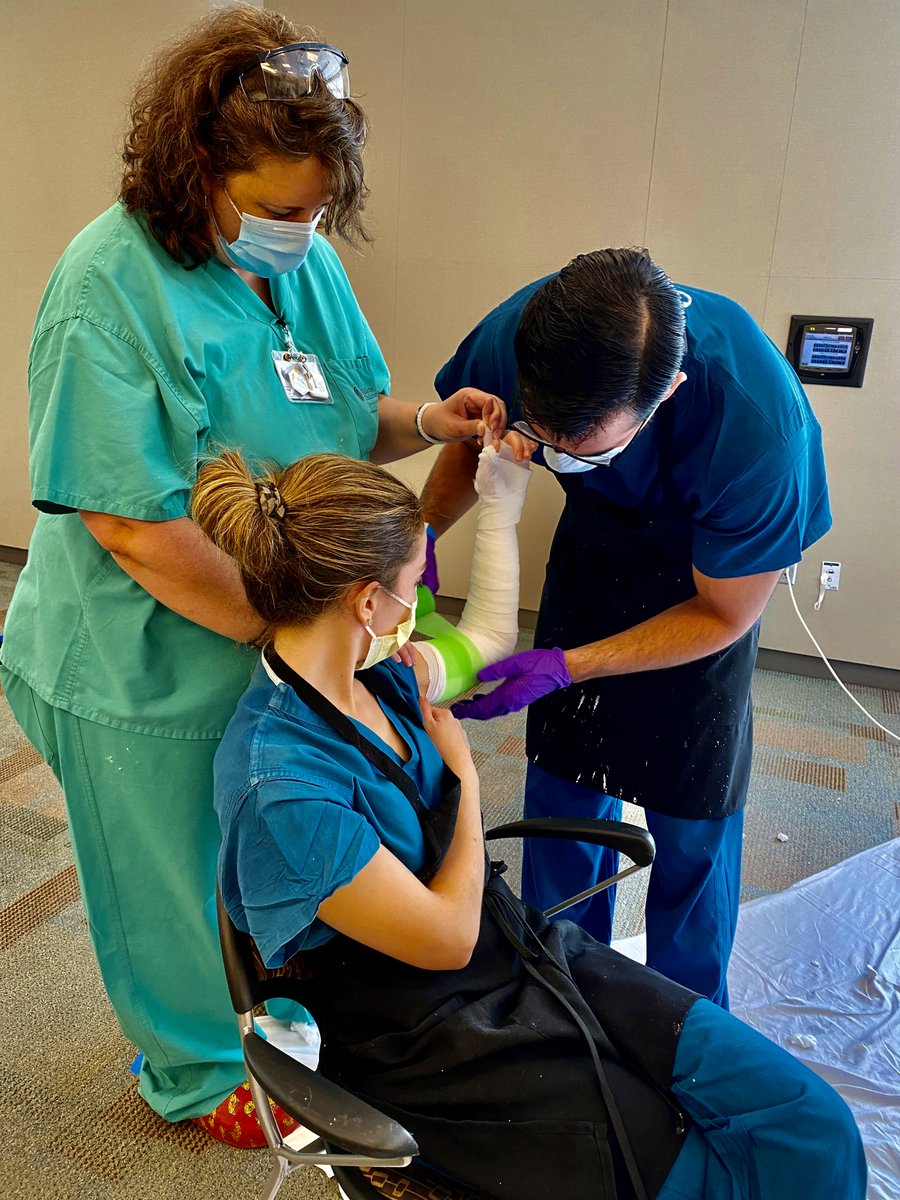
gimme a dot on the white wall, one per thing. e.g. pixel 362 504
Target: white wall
pixel 752 147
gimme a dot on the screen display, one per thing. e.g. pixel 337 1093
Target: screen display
pixel 822 351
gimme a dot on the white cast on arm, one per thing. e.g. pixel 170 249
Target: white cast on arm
pixel 489 625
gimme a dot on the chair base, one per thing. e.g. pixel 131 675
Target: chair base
pixel 414 1182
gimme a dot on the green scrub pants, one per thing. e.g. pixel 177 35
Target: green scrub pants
pixel 145 839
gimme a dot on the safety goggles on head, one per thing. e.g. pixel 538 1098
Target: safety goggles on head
pixel 287 72
pixel 593 460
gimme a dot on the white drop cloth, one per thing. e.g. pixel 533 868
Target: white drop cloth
pixel 817 969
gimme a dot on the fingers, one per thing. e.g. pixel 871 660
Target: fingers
pixel 489 409
pixel 494 415
pixel 522 448
pixel 405 655
pixel 480 708
pixel 469 710
pixel 504 668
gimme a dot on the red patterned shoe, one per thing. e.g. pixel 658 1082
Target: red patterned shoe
pixel 235 1121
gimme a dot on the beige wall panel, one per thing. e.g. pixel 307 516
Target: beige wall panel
pixel 724 112
pixel 527 138
pixel 840 212
pixel 517 154
pixel 59 144
pixel 371 35
pixel 861 429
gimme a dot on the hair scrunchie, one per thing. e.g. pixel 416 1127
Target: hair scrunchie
pixel 270 500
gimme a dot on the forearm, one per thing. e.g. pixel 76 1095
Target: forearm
pixel 397 434
pixel 681 634
pixel 435 926
pixel 489 625
pixel 449 491
pixel 459 881
pixel 182 569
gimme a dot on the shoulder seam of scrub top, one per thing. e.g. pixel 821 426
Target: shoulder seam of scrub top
pixel 720 370
pixel 783 449
pixel 275 711
pixel 128 339
pixel 259 777
pixel 746 396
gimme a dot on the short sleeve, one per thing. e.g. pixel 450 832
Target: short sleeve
pixel 381 375
pixel 767 517
pixel 108 431
pixel 295 847
pixel 485 359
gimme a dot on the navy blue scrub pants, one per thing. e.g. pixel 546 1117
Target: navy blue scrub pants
pixel 692 898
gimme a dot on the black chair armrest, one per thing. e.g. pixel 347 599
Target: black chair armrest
pixel 336 1115
pixel 615 835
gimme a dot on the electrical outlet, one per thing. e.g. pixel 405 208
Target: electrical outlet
pixel 831 576
pixel 789 574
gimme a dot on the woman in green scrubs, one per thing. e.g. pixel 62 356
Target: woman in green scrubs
pixel 201 310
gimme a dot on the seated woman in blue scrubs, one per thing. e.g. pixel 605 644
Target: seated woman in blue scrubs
pixel 527 1059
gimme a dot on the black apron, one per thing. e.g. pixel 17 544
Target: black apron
pixel 543 1068
pixel 678 740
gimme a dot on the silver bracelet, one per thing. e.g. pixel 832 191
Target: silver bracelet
pixel 426 437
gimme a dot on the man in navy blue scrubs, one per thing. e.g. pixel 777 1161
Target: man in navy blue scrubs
pixel 693 473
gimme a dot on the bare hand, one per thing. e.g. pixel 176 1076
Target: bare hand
pixel 448 736
pixel 405 655
pixel 521 446
pixel 468 413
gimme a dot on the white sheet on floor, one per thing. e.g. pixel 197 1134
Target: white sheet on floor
pixel 817 969
pixel 822 961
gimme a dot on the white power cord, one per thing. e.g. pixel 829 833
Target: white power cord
pixel 889 732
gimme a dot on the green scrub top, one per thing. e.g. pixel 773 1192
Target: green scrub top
pixel 139 367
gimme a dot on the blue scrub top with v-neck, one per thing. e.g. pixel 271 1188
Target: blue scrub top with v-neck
pixel 302 811
pixel 744 466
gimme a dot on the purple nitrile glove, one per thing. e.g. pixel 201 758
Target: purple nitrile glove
pixel 430 574
pixel 526 677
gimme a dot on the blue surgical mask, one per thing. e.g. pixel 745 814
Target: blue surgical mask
pixel 565 464
pixel 268 248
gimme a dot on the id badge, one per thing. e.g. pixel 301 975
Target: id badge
pixel 301 378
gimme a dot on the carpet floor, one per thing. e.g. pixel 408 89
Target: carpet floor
pixel 825 785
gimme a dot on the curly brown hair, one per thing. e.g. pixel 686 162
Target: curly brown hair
pixel 189 118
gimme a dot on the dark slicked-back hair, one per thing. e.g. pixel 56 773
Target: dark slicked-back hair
pixel 604 336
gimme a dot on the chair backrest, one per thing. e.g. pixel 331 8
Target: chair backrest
pixel 247 984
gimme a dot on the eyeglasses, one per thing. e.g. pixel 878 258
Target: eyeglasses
pixel 595 460
pixel 287 72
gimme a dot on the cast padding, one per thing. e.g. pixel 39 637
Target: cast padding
pixel 489 624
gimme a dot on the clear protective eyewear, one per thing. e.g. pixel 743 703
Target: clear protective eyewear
pixel 596 460
pixel 287 72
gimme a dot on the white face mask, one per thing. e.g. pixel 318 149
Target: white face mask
pixel 385 644
pixel 268 248
pixel 565 464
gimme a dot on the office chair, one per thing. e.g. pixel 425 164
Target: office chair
pixel 368 1153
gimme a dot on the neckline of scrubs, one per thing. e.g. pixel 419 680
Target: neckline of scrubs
pixel 407 764
pixel 366 730
pixel 243 295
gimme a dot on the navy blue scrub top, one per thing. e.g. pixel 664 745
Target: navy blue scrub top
pixel 302 811
pixel 746 459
